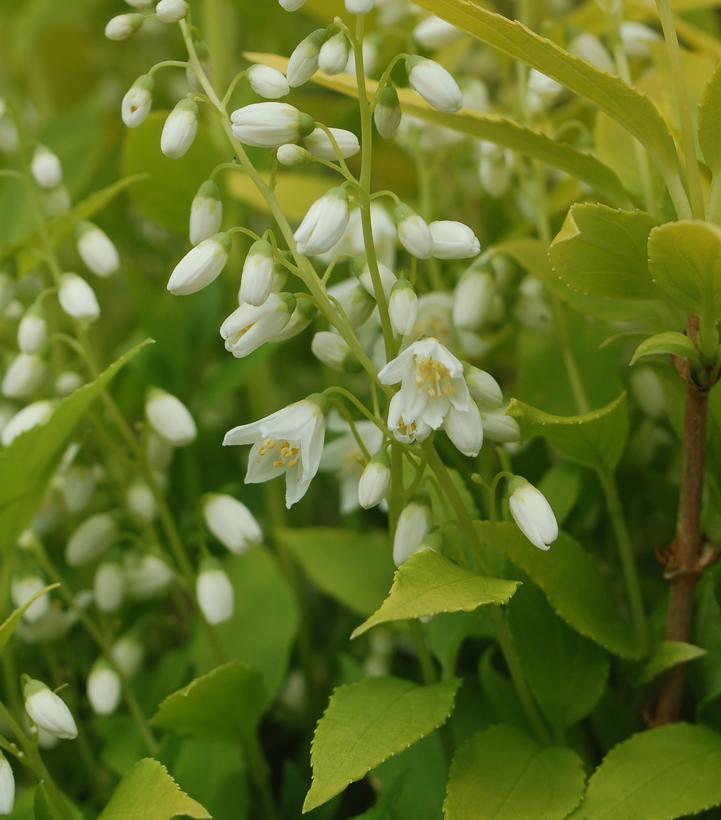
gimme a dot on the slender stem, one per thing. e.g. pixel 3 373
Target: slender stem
pixel 260 775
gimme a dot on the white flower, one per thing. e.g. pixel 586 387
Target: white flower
pixel 270 124
pixel 77 298
pixel 636 39
pixel 319 144
pixel 453 240
pixel 22 589
pixel 171 11
pixel 405 429
pixel 206 213
pixel 77 487
pixel 541 90
pixel 32 415
pixel 344 457
pixel 499 427
pixel 170 418
pixel 288 442
pixel 483 388
pixel 334 54
pixel 7 786
pixel 96 250
pixel 293 155
pixel 473 299
pixel 250 326
pixel 128 655
pixel 90 539
pixel 434 84
pixel 324 223
pixel 387 277
pixel 359 6
pixel 291 5
pixel 141 501
pixel 403 307
pixel 179 129
pixel 414 523
pixel 214 592
pixel 67 382
pixel 590 49
pixel 387 113
pixel 413 232
pixel 532 513
pixel 257 276
pixel 374 481
pixel 146 577
pixel 47 710
pixel 231 522
pixel 46 168
pixel 331 349
pixel 434 33
pixel 267 82
pixel 303 62
pixel 123 26
pixel 354 299
pixel 109 586
pixel 103 689
pixel 465 429
pixel 200 266
pixel 24 376
pixel 137 101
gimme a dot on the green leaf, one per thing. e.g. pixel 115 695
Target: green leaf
pixel 10 623
pixel 673 342
pixel 368 722
pixel 685 262
pixel 561 485
pixel 225 704
pixel 148 792
pixel 594 439
pixel 50 803
pixel 28 464
pixel 501 774
pixel 355 568
pixel 709 122
pixel 428 584
pixel 667 655
pixel 661 774
pixel 572 583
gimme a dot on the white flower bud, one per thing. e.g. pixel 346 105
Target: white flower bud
pixel 374 481
pixel 77 298
pixel 303 62
pixel 434 33
pixel 128 654
pixel 32 415
pixel 96 250
pixel 647 391
pixel 359 6
pixel 483 388
pixel 77 487
pixel 590 49
pixel 330 349
pixel 251 326
pixel 291 5
pixel 387 114
pixel 123 26
pixel 109 586
pixel 354 300
pixel 324 224
pixel 257 276
pixel 334 54
pixel 171 11
pixel 67 382
pixel 47 710
pixel 90 539
pixel 403 307
pixel 413 232
pixel 169 418
pixel 139 4
pixel 453 240
pixel 270 124
pixel 137 101
pixel 7 787
pixel 494 171
pixel 200 266
pixel 319 144
pixel 500 428
pixel 434 84
pixel 292 155
pixel 532 513
pixel 24 376
pixel 206 213
pixel 22 589
pixel 388 278
pixel 214 592
pixel 465 429
pixel 636 39
pixel 32 332
pixel 267 82
pixel 231 522
pixel 46 168
pixel 179 129
pixel 473 299
pixel 146 577
pixel 541 90
pixel 141 501
pixel 103 688
pixel 414 523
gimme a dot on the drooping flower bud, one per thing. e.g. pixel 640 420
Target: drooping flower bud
pixel 387 114
pixel 636 39
pixel 303 62
pixel 141 501
pixel 32 332
pixel 532 513
pixel 214 592
pixel 7 786
pixel 45 168
pixel 483 388
pixel 270 124
pixel 374 481
pixel 500 428
pixel 403 307
pixel 24 376
pixel 103 688
pixel 123 26
pixel 171 11
pixel 67 382
pixel 206 213
pixel 169 418
pixel 250 326
pixel 414 523
pixel 354 299
pixel 324 223
pixel 331 349
pixel 302 315
pixel 96 250
pixel 434 84
pixel 453 240
pixel 77 298
pixel 413 232
pixel 32 415
pixel 231 522
pixel 25 587
pixel 592 50
pixel 473 299
pixel 146 577
pixel 434 33
pixel 47 710
pixel 267 82
pixel 90 539
pixel 200 266
pixel 109 586
pixel 257 276
pixel 334 54
pixel 137 101
pixel 292 155
pixel 179 129
pixel 359 6
pixel 319 144
pixel 291 5
pixel 128 654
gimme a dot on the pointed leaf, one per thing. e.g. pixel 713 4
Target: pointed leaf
pixel 10 623
pixel 671 342
pixel 709 122
pixel 667 655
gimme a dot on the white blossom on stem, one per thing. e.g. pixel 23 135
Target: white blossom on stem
pixel 249 326
pixel 231 522
pixel 532 513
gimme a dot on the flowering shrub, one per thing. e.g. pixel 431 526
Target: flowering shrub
pixel 471 275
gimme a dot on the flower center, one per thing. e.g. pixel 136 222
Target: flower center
pixel 407 430
pixel 285 455
pixel 434 378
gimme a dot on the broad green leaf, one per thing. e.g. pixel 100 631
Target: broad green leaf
pixel 355 568
pixel 667 655
pixel 561 485
pixel 572 583
pixel 501 774
pixel 709 122
pixel 661 774
pixel 10 623
pixel 594 439
pixel 428 584
pixel 148 792
pixel 671 342
pixel 500 693
pixel 566 672
pixel 685 262
pixel 368 722
pixel 28 464
pixel 225 704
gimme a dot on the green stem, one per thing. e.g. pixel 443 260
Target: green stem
pixel 260 775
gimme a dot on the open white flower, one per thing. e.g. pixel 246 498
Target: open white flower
pixel 532 513
pixel 249 326
pixel 288 442
pixel 344 457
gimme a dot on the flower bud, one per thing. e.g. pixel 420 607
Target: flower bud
pixel 32 415
pixel 319 144
pixel 362 269
pixel 96 250
pixel 354 300
pixel 231 522
pixel 334 54
pixel 214 592
pixel 542 90
pixel 24 376
pixel 146 577
pixel 267 82
pixel 109 586
pixel 359 6
pixel 270 124
pixel 206 213
pixel 141 501
pixel 67 382
pixel 434 84
pixel 90 539
pixel 250 326
pixel 32 332
pixel 25 587
pixel 413 232
pixel 292 155
pixel 324 223
pixel 453 240
pixel 169 417
pixel 465 429
pixel 179 129
pixel 473 299
pixel 137 101
pixel 103 688
pixel 77 298
pixel 7 786
pixel 128 655
pixel 494 171
pixel 47 710
pixel 434 33
pixel 200 266
pixel 291 5
pixel 414 523
pixel 303 62
pixel 123 26
pixel 500 428
pixel 483 388
pixel 532 513
pixel 387 114
pixel 403 307
pixel 331 349
pixel 257 276
pixel 45 168
pixel 171 11
pixel 590 49
pixel 374 481
pixel 302 315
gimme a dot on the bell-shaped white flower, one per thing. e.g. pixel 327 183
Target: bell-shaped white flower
pixel 48 710
pixel 179 129
pixel 270 124
pixel 288 442
pixel 473 299
pixel 77 298
pixel 127 652
pixel 465 429
pixel 109 586
pixel 32 415
pixel 22 589
pixel 334 54
pixel 171 11
pixel 206 213
pixel 434 84
pixel 32 332
pixel 331 349
pixel 414 524
pixel 484 389
pixel 24 376
pixel 138 101
pixel 403 307
pixel 292 155
pixel 324 223
pixel 453 240
pixel 141 501
pixel 499 427
pixel 200 266
pixel 344 457
pixel 532 513
pixel 90 539
pixel 214 592
pixel 170 418
pixel 291 5
pixel 434 33
pixel 413 232
pixel 404 428
pixel 123 26
pixel 7 786
pixel 257 276
pixel 267 82
pixel 303 62
pixel 319 144
pixel 374 481
pixel 96 250
pixel 387 113
pixel 231 522
pixel 104 688
pixel 146 577
pixel 45 168
pixel 250 326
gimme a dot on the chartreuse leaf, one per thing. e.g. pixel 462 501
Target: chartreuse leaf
pixel 28 464
pixel 428 584
pixel 368 722
pixel 709 122
pixel 594 439
pixel 671 341
pixel 10 623
pixel 661 774
pixel 148 792
pixel 572 583
pixel 295 192
pixel 667 655
pixel 355 568
pixel 501 774
pixel 225 704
